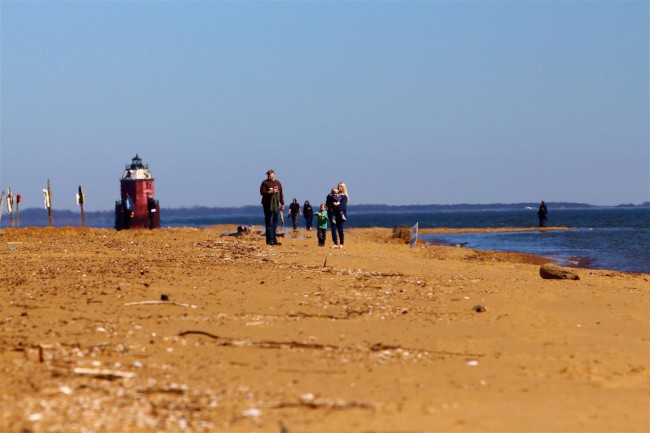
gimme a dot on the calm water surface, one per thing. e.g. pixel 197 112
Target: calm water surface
pixel 603 238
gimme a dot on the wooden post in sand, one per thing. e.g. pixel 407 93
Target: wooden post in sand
pixel 10 207
pixel 80 202
pixel 2 203
pixel 47 193
pixel 18 198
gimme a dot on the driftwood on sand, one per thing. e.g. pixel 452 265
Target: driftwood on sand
pixel 550 271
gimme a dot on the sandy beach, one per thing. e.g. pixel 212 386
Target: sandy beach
pixel 191 330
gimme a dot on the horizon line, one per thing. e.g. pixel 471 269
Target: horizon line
pixel 563 203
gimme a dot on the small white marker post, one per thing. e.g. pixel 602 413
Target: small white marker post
pixel 80 202
pixel 47 196
pixel 18 198
pixel 2 202
pixel 10 207
pixel 414 235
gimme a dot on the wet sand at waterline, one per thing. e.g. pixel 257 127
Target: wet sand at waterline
pixel 375 337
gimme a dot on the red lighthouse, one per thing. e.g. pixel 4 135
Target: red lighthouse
pixel 137 207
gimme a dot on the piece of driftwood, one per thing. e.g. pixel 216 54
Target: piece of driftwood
pixel 224 341
pixel 103 373
pixel 266 344
pixel 180 304
pixel 324 404
pixel 551 271
pixel 171 390
pixel 347 315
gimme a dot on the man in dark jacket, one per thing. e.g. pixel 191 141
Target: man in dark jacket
pixel 294 213
pixel 273 203
pixel 151 209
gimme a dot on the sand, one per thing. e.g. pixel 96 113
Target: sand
pixel 376 337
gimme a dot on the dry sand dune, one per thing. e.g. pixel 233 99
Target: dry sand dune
pixel 376 337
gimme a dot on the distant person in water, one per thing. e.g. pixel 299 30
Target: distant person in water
pixel 542 214
pixel 294 213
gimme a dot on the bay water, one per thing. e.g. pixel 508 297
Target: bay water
pixel 598 238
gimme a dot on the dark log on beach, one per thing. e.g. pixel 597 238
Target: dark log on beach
pixel 553 271
pixel 402 232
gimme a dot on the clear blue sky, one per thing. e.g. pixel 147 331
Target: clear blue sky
pixel 407 102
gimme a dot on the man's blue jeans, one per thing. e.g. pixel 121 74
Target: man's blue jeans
pixel 271 223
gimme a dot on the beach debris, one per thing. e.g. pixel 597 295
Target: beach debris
pixel 269 344
pixel 321 404
pixel 472 363
pixel 164 297
pixel 347 315
pixel 553 271
pixel 103 373
pixel 403 232
pixel 479 308
pixel 35 417
pixel 180 304
pixel 174 388
pixel 252 412
pixel 245 229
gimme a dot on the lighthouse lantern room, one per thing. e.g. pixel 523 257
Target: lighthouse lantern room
pixel 137 207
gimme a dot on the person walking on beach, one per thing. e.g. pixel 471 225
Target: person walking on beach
pixel 343 206
pixel 331 198
pixel 308 213
pixel 542 214
pixel 321 225
pixel 127 210
pixel 294 213
pixel 151 209
pixel 335 202
pixel 272 203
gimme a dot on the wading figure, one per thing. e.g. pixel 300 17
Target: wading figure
pixel 542 214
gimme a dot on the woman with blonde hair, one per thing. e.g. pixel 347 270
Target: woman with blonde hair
pixel 336 208
pixel 343 190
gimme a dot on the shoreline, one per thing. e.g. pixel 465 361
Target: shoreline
pixel 375 336
pixel 231 229
pixel 561 252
